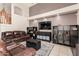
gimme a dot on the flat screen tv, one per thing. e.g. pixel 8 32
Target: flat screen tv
pixel 46 25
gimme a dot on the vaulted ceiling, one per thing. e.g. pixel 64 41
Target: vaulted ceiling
pixel 45 7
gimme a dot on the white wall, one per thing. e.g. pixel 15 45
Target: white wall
pixel 69 19
pixel 78 17
pixel 18 22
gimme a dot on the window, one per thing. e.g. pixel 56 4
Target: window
pixel 17 11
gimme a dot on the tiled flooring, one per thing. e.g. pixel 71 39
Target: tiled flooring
pixel 60 50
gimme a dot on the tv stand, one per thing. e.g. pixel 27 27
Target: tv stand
pixel 46 36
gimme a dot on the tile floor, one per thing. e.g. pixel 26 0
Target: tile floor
pixel 59 50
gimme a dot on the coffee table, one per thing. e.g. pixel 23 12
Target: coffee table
pixel 36 44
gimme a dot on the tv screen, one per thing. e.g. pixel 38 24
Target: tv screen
pixel 45 25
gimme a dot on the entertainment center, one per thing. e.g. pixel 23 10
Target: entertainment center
pixel 59 34
pixel 44 32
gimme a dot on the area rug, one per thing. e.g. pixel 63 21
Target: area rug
pixel 45 49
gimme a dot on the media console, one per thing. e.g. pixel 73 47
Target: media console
pixel 46 36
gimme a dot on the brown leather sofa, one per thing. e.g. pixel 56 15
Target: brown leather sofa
pixel 16 50
pixel 16 36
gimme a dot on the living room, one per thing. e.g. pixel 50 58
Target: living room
pixel 39 29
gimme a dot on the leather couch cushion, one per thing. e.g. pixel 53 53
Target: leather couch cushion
pixel 21 50
pixel 17 34
pixel 8 35
pixel 27 52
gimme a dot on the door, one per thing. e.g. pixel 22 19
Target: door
pixel 67 35
pixel 74 35
pixel 60 34
pixel 55 34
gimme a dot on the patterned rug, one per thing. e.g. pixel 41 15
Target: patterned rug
pixel 45 49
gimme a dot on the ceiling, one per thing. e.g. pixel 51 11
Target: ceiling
pixel 29 4
pixel 46 7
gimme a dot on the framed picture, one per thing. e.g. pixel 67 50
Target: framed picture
pixel 5 13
